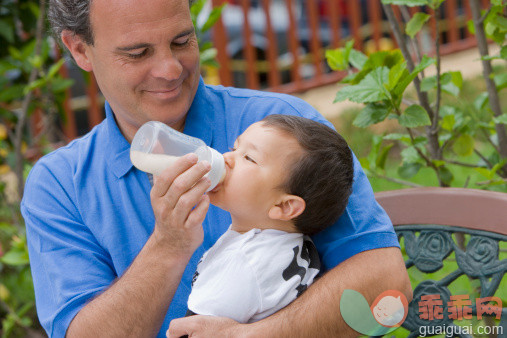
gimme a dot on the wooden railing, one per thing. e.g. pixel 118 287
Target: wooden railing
pixel 290 56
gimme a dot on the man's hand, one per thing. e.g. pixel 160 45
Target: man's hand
pixel 204 326
pixel 180 206
pixel 135 305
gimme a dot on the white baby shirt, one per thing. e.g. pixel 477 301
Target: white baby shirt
pixel 247 277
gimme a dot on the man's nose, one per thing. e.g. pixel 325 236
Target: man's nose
pixel 167 67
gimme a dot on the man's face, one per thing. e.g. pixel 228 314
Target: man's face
pixel 255 168
pixel 145 58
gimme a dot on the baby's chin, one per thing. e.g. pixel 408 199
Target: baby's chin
pixel 214 199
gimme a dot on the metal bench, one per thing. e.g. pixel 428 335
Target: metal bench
pixel 463 226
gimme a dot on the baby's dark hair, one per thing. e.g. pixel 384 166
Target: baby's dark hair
pixel 322 176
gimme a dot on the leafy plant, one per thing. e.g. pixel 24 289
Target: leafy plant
pixel 432 134
pixel 203 21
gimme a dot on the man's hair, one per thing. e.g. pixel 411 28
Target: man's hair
pixel 73 15
pixel 322 176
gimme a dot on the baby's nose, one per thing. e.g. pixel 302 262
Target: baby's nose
pixel 229 159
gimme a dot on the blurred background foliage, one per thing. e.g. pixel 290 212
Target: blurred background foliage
pixel 31 83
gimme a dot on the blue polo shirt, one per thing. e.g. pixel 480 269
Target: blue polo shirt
pixel 88 213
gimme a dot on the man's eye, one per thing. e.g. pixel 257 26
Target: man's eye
pixel 137 55
pixel 232 149
pixel 181 42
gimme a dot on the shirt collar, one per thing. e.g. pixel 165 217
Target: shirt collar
pixel 198 124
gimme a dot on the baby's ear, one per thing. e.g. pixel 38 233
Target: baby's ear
pixel 289 207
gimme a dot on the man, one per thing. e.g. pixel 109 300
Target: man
pixel 105 261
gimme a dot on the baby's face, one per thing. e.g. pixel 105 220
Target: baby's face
pixel 255 168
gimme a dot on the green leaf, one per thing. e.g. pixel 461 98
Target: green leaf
pixel 12 93
pixel 410 3
pixel 370 89
pixel 481 101
pixel 503 52
pixel 6 65
pixel 336 59
pixel 7 31
pixel 410 155
pixel 414 116
pixel 416 23
pixel 428 83
pixel 395 74
pixel 438 163
pixel 371 114
pixel 445 175
pixel 453 83
pixel 53 70
pixel 402 85
pixel 59 85
pixel 471 27
pixel 196 8
pixel 15 258
pixel 464 145
pixel 502 119
pixel 409 170
pixel 15 53
pixel 382 157
pixel 448 122
pixel 213 18
pixel 208 55
pixel 434 4
pixel 365 164
pixel 34 85
pixel 485 172
pixel 398 137
pixel 500 81
pixel 357 59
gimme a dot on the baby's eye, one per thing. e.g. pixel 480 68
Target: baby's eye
pixel 248 158
pixel 232 149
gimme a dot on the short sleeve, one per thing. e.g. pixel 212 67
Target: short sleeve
pixel 227 287
pixel 68 265
pixel 363 226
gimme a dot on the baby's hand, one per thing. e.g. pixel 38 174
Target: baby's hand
pixel 179 204
pixel 205 326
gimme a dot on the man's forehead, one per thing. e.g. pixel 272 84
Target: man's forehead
pixel 131 16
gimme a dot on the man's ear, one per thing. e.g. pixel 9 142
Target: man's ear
pixel 290 207
pixel 78 48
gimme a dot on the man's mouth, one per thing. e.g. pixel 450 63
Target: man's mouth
pixel 165 94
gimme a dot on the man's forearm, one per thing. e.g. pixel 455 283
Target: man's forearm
pixel 317 312
pixel 136 304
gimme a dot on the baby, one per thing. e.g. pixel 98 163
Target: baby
pixel 286 177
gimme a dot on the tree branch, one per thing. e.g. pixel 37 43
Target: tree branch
pixel 434 122
pixel 415 43
pixel 396 180
pixel 20 125
pixel 487 71
pixel 422 96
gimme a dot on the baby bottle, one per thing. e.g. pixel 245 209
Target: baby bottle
pixel 157 146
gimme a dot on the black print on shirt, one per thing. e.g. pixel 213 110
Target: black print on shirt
pixel 308 253
pixel 196 274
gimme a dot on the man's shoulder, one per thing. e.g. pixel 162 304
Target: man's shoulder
pixel 61 164
pixel 74 151
pixel 252 105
